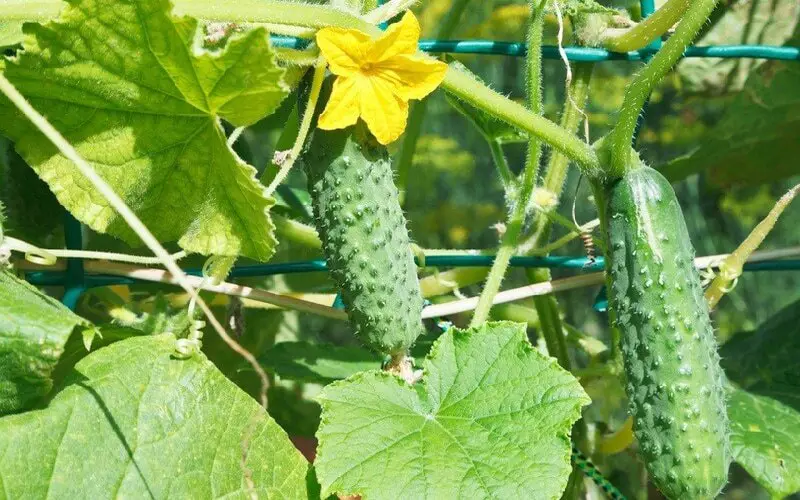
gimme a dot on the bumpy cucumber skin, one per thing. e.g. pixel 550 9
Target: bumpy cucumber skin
pixel 364 238
pixel 674 379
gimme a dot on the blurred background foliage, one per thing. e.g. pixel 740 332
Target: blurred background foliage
pixel 727 132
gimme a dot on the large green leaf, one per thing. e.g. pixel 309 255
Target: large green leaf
pixel 136 422
pixel 756 140
pixel 765 410
pixel 491 418
pixel 757 22
pixel 131 87
pixel 767 360
pixel 33 331
pixel 764 441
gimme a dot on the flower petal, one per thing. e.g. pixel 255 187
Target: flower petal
pixel 412 76
pixel 383 111
pixel 401 38
pixel 342 109
pixel 344 49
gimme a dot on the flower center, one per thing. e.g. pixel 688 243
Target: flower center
pixel 367 67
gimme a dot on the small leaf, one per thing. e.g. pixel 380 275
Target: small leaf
pixel 764 441
pixel 131 88
pixel 33 331
pixel 135 422
pixel 317 363
pixel 491 418
pixel 756 140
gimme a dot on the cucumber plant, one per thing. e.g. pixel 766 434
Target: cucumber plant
pixel 148 124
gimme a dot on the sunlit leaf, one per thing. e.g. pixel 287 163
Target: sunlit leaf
pixel 135 422
pixel 491 418
pixel 131 87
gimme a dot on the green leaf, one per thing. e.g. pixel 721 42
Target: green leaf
pixel 33 331
pixel 491 418
pixel 764 441
pixel 318 363
pixel 758 22
pixel 131 87
pixel 135 422
pixel 767 361
pixel 756 140
pixel 765 411
pixel 32 212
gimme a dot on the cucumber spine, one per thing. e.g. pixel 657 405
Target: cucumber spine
pixel 674 381
pixel 364 237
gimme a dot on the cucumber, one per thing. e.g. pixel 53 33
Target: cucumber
pixel 364 237
pixel 674 379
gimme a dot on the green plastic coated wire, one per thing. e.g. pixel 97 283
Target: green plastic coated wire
pixel 579 54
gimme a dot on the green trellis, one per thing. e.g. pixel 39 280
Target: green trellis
pixel 75 281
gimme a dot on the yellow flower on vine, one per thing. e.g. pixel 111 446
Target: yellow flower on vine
pixel 376 78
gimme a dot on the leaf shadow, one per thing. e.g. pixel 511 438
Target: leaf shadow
pixel 118 431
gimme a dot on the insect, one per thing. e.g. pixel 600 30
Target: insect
pixel 588 246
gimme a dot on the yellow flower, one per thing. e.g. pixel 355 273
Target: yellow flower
pixel 376 78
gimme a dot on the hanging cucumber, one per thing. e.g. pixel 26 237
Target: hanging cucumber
pixel 674 379
pixel 364 237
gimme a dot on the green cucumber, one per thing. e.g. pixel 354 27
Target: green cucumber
pixel 364 237
pixel 674 379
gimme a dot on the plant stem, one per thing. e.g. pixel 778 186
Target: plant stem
pixel 644 82
pixel 273 11
pixel 533 79
pixel 652 27
pixel 558 163
pixel 49 256
pixel 547 306
pixel 296 232
pixel 416 117
pixel 468 88
pixel 305 125
pixel 500 162
pixel 731 268
pixel 522 195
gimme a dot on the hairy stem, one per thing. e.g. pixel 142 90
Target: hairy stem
pixel 644 82
pixel 468 88
pixel 652 27
pixel 305 125
pixel 547 306
pixel 522 195
pixel 558 163
pixel 296 232
pixel 731 268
